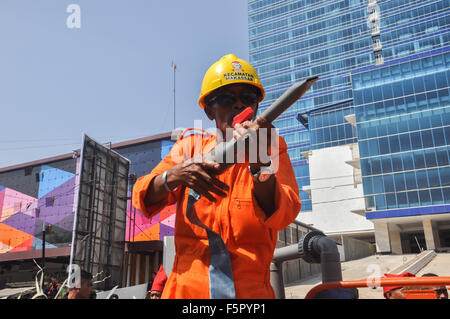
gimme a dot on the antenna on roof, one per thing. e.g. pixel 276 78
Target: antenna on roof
pixel 174 66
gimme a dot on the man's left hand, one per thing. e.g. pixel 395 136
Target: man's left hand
pixel 260 134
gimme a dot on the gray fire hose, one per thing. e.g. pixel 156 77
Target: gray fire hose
pixel 270 114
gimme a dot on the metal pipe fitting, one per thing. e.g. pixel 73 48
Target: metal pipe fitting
pixel 313 247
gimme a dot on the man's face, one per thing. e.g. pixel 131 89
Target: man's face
pixel 155 294
pixel 83 292
pixel 224 115
pixel 395 294
pixel 441 292
pixel 86 288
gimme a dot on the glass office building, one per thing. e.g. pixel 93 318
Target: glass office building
pixel 403 120
pixel 384 62
pixel 292 40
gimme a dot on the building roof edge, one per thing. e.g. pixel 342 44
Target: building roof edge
pixel 70 155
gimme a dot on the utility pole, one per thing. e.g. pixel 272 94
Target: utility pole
pixel 174 66
pixel 43 246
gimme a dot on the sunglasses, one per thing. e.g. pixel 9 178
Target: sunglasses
pixel 229 99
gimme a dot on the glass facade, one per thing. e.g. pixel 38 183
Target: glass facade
pixel 384 61
pixel 403 123
pixel 329 128
pixel 292 40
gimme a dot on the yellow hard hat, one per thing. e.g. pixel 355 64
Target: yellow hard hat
pixel 228 70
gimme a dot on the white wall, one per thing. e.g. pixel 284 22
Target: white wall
pixel 334 194
pixel 356 249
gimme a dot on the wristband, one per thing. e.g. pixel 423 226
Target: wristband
pixel 164 177
pixel 263 174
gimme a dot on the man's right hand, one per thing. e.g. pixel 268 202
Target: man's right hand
pixel 198 174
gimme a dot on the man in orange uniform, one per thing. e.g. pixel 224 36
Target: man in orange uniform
pixel 245 203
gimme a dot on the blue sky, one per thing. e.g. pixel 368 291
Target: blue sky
pixel 111 78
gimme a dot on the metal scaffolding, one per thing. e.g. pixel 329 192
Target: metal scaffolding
pixel 100 223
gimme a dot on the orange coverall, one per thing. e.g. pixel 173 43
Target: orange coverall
pixel 249 235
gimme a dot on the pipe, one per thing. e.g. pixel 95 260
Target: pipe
pixel 330 261
pixel 281 255
pixel 285 253
pixel 276 279
pixel 315 247
pixel 381 282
